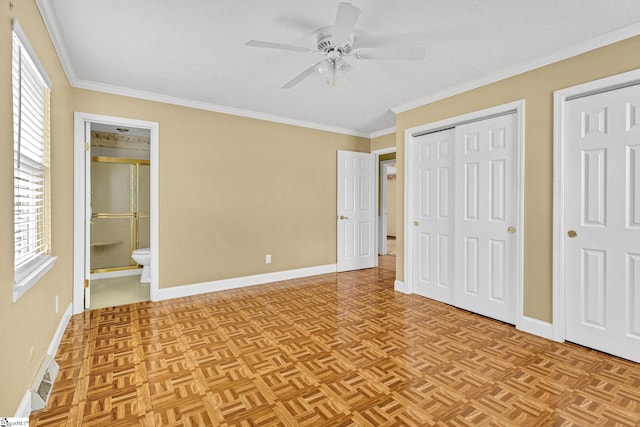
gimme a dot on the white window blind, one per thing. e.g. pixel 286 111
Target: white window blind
pixel 31 140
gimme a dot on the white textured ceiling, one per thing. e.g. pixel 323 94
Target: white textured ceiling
pixel 192 52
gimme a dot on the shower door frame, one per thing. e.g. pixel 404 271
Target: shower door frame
pixel 133 215
pixel 81 199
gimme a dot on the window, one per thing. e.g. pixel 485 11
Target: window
pixel 31 174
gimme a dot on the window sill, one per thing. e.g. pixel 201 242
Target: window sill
pixel 30 277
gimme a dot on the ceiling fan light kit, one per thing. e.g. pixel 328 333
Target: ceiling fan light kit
pixel 335 43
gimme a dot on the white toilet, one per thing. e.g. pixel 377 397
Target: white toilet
pixel 143 257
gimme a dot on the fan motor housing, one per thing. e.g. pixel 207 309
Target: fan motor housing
pixel 325 43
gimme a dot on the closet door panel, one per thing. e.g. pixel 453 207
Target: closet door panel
pixel 432 250
pixel 485 197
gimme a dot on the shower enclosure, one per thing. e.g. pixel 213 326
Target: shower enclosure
pixel 120 212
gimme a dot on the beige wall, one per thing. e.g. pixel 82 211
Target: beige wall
pixel 384 141
pixel 234 189
pixel 27 326
pixel 536 88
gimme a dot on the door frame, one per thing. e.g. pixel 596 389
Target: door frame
pixel 382 202
pixel 560 98
pixel 80 203
pixel 410 135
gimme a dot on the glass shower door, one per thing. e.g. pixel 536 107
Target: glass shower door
pixel 117 192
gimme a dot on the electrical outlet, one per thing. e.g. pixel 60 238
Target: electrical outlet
pixel 57 303
pixel 267 259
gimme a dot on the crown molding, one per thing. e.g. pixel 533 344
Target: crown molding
pixel 50 22
pixel 48 16
pixel 577 49
pixel 382 132
pixel 166 99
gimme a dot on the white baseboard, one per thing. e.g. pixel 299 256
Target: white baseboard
pixel 399 287
pixel 240 282
pixel 536 327
pixel 24 409
pixel 57 337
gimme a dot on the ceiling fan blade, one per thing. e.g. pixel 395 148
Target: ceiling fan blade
pixel 280 46
pixel 404 53
pixel 301 76
pixel 346 19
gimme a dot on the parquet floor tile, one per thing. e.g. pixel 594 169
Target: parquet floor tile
pixel 331 350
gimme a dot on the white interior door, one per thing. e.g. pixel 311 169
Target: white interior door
pixel 602 221
pixel 485 214
pixel 433 215
pixel 356 211
pixel 87 216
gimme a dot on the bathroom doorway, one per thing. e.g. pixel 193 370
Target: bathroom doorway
pixel 115 206
pixel 120 205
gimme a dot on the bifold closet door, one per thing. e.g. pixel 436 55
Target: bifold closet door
pixel 485 209
pixel 602 221
pixel 433 215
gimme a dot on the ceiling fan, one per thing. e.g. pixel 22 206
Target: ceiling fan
pixel 335 43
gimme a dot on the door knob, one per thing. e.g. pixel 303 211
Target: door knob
pixel 416 223
pixel 344 217
pixel 511 230
pixel 572 233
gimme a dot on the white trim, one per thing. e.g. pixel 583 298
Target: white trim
pixel 381 241
pixel 376 217
pixel 382 151
pixel 80 119
pixel 166 99
pixel 407 287
pixel 61 50
pixel 154 220
pixel 24 40
pixel 78 214
pixel 520 164
pixel 32 276
pixel 57 336
pixel 557 284
pixel 399 286
pixel 580 48
pixel 58 41
pixel 241 282
pixel 48 16
pixel 464 118
pixel 382 132
pixel 24 408
pixel 536 327
pixel 382 202
pixel 117 273
pixel 410 134
pixel 560 97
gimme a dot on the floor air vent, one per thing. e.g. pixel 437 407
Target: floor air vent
pixel 43 383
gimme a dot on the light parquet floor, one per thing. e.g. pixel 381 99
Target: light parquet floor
pixel 332 350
